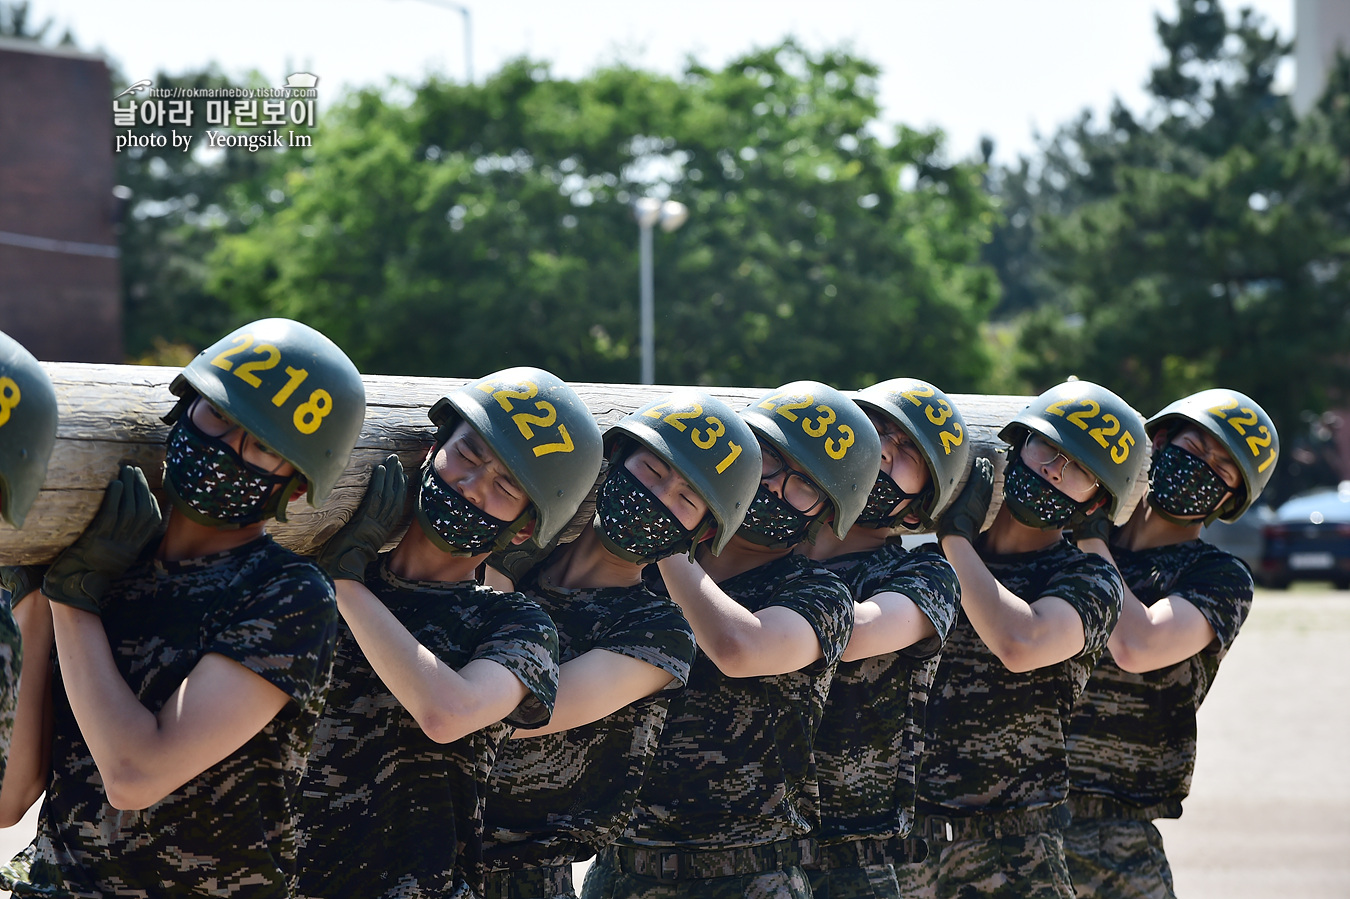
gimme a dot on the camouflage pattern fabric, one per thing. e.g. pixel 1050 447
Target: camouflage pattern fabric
pixel 870 882
pixel 1117 859
pixel 1132 736
pixel 604 881
pixel 229 831
pixel 872 733
pixel 734 766
pixel 386 810
pixel 1009 867
pixel 560 798
pixel 11 661
pixel 995 738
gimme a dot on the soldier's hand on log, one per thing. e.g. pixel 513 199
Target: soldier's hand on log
pixel 127 520
pixel 20 580
pixel 350 551
pixel 1096 522
pixel 965 516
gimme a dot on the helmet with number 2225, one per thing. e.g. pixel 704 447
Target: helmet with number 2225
pixel 290 387
pixel 1095 428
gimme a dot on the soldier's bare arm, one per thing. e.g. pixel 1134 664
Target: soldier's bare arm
pixel 886 622
pixel 596 684
pixel 447 704
pixel 741 643
pixel 143 757
pixel 30 747
pixel 1024 635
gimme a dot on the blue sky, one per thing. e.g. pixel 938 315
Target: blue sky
pixel 1004 68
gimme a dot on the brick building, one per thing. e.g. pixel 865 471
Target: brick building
pixel 60 292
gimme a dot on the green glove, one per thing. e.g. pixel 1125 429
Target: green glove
pixel 128 520
pixel 350 551
pixel 516 562
pixel 20 580
pixel 965 516
pixel 1096 523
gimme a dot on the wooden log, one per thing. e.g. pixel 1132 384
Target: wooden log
pixel 112 413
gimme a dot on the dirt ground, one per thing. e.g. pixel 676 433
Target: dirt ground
pixel 1269 811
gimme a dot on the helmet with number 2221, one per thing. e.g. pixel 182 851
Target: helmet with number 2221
pixel 27 429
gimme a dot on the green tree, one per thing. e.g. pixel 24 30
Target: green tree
pixel 1204 243
pixel 472 227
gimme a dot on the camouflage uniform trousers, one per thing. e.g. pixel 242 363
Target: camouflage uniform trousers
pixel 1117 858
pixel 530 883
pixel 864 882
pixel 1017 866
pixel 605 881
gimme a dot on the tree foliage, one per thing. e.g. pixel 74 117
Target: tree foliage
pixel 1201 244
pixel 452 229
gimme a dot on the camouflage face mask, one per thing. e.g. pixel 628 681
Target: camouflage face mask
pixel 1033 500
pixel 451 522
pixel 1183 484
pixel 209 482
pixel 633 524
pixel 771 522
pixel 885 496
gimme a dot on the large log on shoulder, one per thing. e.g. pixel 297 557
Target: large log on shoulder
pixel 113 413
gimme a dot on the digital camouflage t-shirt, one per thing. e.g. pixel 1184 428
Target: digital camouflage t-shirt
pixel 995 738
pixel 562 797
pixel 230 830
pixel 11 661
pixel 734 766
pixel 1132 737
pixel 872 735
pixel 386 810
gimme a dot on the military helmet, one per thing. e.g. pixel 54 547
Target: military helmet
pixel 1242 426
pixel 935 425
pixel 708 444
pixel 27 429
pixel 828 436
pixel 1094 427
pixel 542 432
pixel 291 388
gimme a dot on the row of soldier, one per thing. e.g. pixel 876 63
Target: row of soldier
pixel 734 680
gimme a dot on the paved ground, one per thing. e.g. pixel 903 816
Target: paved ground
pixel 1269 812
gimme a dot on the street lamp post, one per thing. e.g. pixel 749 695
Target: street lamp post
pixel 649 211
pixel 468 32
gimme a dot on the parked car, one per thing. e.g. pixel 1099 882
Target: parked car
pixel 1309 540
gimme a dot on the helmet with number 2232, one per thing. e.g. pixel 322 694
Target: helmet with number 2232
pixel 935 425
pixel 290 387
pixel 828 437
pixel 1095 428
pixel 541 431
pixel 27 429
pixel 708 444
pixel 1242 426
